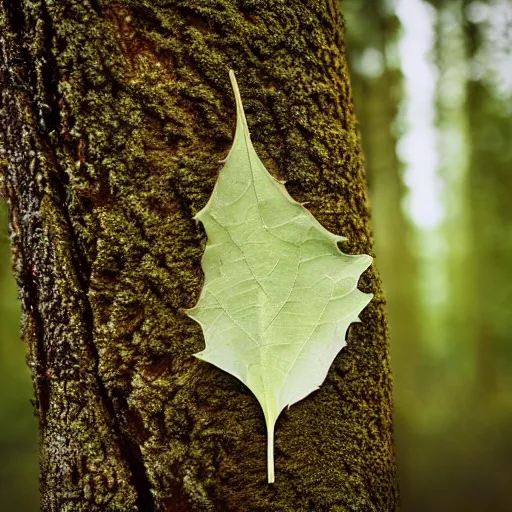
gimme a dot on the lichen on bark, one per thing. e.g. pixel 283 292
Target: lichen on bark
pixel 114 118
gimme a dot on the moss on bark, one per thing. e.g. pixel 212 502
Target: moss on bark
pixel 114 118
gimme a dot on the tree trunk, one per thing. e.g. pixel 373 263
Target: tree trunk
pixel 377 106
pixel 377 99
pixel 490 179
pixel 114 118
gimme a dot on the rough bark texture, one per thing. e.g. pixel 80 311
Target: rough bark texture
pixel 114 116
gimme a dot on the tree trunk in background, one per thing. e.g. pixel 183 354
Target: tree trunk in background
pixel 453 297
pixel 490 178
pixel 114 118
pixel 377 108
pixel 377 105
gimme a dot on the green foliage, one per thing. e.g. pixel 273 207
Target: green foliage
pixel 278 295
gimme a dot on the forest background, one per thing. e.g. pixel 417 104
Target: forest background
pixel 432 84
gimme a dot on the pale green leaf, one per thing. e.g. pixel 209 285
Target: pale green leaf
pixel 278 294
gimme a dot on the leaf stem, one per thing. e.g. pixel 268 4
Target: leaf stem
pixel 270 452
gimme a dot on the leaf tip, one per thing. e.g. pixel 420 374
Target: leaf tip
pixel 368 260
pixel 201 356
pixel 197 216
pixel 190 312
pixel 338 239
pixel 234 83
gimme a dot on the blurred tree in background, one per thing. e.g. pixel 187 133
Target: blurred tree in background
pixel 433 91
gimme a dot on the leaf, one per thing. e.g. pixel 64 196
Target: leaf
pixel 278 294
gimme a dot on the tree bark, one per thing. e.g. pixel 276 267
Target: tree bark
pixel 114 118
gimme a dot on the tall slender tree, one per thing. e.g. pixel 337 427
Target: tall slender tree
pixel 490 180
pixel 372 37
pixel 378 92
pixel 114 116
